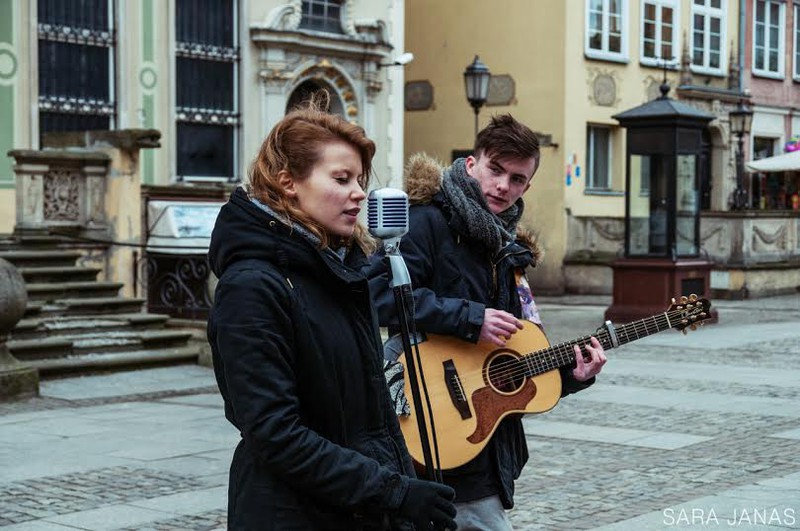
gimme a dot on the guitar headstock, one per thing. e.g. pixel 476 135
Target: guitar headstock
pixel 689 312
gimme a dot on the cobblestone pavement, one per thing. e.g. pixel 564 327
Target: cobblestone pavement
pixel 699 426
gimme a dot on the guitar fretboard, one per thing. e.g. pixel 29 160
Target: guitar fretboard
pixel 563 354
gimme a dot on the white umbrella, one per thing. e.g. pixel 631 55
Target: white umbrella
pixel 786 162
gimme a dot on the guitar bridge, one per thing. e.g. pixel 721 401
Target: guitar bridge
pixel 456 390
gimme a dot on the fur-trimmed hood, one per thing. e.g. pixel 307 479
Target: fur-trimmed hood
pixel 422 178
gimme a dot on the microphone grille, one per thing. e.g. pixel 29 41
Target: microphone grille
pixel 395 212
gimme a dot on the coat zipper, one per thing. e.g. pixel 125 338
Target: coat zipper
pixel 494 269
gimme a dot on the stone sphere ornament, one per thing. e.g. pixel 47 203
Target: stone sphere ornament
pixel 13 297
pixel 16 380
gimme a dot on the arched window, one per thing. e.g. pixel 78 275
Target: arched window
pixel 306 90
pixel 322 15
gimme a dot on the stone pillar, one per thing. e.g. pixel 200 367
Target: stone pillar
pixel 16 380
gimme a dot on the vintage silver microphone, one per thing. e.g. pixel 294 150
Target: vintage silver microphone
pixel 387 219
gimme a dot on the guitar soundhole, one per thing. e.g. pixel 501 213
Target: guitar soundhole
pixel 505 373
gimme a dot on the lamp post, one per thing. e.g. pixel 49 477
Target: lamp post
pixel 741 119
pixel 476 83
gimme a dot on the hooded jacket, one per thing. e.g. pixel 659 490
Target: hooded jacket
pixel 454 280
pixel 296 354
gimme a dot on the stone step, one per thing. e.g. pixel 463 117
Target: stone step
pixel 126 341
pixel 59 274
pixel 33 309
pixel 96 343
pixel 44 258
pixel 54 325
pixel 93 306
pixel 94 362
pixel 48 347
pixel 50 291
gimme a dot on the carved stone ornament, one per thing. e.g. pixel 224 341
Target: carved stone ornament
pixel 418 95
pixel 285 17
pixel 502 90
pixel 62 195
pixel 604 90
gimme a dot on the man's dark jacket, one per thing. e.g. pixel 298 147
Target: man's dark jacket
pixel 454 281
pixel 297 359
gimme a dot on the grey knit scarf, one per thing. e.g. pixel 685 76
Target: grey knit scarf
pixel 471 210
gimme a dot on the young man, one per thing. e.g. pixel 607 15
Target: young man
pixel 466 257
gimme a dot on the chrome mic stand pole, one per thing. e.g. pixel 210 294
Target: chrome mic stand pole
pixel 404 301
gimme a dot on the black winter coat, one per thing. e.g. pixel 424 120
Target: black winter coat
pixel 454 280
pixel 297 359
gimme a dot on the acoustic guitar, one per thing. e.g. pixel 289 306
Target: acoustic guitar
pixel 473 386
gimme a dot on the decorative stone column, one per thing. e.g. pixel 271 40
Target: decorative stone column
pixel 16 380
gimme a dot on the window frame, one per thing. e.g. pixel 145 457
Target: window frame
pixel 213 117
pixel 760 72
pixel 709 12
pixel 604 54
pixel 591 180
pixel 327 25
pixel 796 29
pixel 676 22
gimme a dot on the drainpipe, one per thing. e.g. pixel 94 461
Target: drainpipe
pixel 742 30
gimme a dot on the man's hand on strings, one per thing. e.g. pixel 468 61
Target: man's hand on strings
pixel 498 326
pixel 589 368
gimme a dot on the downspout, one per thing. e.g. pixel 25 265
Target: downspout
pixel 742 30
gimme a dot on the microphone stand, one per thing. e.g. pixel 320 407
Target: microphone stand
pixel 400 281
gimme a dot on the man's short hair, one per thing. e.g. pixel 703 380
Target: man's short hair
pixel 506 138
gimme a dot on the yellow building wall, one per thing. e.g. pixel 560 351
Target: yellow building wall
pixel 541 45
pixel 520 38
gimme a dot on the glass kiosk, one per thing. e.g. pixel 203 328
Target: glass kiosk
pixel 661 257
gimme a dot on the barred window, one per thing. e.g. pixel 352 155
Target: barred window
pixel 206 66
pixel 322 15
pixel 76 65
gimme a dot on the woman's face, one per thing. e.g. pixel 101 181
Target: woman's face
pixel 331 194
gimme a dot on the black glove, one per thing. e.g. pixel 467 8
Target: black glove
pixel 429 505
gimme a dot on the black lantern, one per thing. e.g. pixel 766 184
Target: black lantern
pixel 662 209
pixel 741 119
pixel 476 83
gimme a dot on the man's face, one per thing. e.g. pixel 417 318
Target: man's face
pixel 502 181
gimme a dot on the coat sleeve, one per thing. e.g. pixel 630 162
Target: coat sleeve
pixel 420 249
pixel 254 338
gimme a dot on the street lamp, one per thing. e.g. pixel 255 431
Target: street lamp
pixel 476 82
pixel 741 119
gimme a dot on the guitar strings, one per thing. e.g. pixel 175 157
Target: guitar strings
pixel 509 371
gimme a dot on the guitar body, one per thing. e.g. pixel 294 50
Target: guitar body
pixel 472 387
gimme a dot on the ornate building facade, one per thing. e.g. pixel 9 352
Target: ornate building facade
pixel 213 76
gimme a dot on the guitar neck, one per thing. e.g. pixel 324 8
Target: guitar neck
pixel 563 354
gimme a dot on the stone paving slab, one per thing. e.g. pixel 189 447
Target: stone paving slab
pixel 141 381
pixel 578 432
pixel 679 422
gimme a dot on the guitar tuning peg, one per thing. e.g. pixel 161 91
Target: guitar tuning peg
pixel 694 326
pixel 673 300
pixel 684 300
pixel 692 297
pixel 683 331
